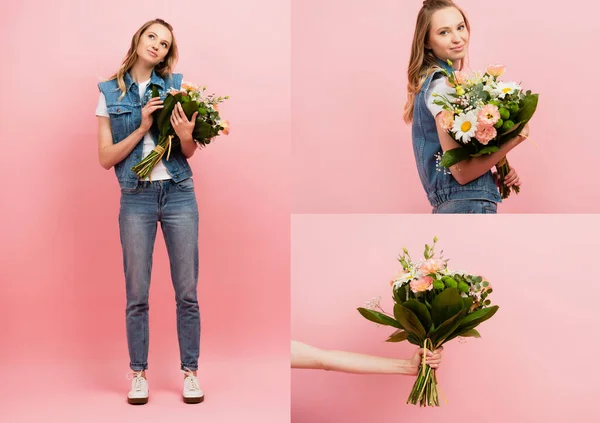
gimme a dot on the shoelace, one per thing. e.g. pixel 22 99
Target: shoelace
pixel 138 380
pixel 193 380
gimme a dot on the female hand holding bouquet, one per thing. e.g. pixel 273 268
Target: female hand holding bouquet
pixel 186 118
pixel 483 117
pixel 432 305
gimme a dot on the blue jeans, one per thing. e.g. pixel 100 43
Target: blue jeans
pixel 466 206
pixel 174 206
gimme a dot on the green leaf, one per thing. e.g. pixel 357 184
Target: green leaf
pixel 165 115
pixel 447 328
pixel 400 295
pixel 379 318
pixel 470 333
pixel 189 108
pixel 489 149
pixel 445 305
pixel 478 317
pixel 409 321
pixel 414 340
pixel 202 130
pixel 467 303
pixel 456 155
pixel 528 106
pixel 398 336
pixel 155 91
pixel 420 310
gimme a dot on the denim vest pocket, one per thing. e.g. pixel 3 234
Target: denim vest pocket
pixel 120 120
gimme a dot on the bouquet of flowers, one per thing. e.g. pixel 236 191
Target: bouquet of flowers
pixel 481 114
pixel 432 305
pixel 208 122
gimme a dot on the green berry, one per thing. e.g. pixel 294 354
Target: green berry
pixel 498 124
pixel 439 285
pixel 450 282
pixel 504 113
pixel 507 126
pixel 463 287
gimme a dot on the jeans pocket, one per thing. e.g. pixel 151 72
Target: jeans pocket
pixel 187 185
pixel 133 190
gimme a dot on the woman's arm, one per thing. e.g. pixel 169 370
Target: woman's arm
pixel 110 154
pixel 472 168
pixel 307 357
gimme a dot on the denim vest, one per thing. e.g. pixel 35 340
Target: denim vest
pixel 440 185
pixel 126 116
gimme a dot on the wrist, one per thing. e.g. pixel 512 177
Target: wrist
pixel 140 132
pixel 187 139
pixel 406 367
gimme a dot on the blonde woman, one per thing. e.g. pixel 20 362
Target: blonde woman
pixel 443 33
pixel 125 136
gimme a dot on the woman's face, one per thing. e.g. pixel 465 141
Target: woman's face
pixel 154 44
pixel 448 35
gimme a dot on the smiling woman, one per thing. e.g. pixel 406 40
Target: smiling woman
pixel 442 35
pixel 126 135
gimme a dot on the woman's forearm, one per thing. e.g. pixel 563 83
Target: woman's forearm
pixel 308 357
pixel 188 147
pixel 110 155
pixel 474 167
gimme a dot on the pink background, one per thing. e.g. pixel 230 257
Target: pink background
pixel 62 293
pixel 352 151
pixel 537 358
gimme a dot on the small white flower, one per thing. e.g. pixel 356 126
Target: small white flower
pixel 505 88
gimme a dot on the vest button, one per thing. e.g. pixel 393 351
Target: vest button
pixel 118 110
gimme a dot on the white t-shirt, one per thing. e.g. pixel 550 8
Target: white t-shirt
pixel 160 171
pixel 439 87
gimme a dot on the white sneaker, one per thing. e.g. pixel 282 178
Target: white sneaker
pixel 192 394
pixel 139 388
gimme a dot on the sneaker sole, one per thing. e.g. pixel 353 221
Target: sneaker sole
pixel 193 400
pixel 137 401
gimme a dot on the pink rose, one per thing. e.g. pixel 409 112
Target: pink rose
pixel 432 266
pixel 488 115
pixel 423 284
pixel 496 70
pixel 447 120
pixel 461 77
pixel 485 134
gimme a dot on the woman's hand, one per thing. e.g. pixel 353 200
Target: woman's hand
pixel 153 104
pixel 182 126
pixel 512 178
pixel 434 358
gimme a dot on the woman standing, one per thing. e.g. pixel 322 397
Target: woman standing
pixel 442 33
pixel 126 136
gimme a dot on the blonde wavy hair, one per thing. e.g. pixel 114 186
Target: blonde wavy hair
pixel 164 69
pixel 422 61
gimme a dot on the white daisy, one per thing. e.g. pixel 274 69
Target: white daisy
pixel 505 88
pixel 465 126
